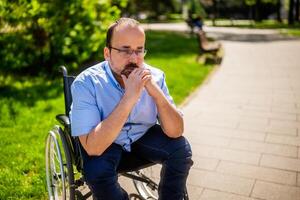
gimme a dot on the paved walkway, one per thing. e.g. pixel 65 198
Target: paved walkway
pixel 224 33
pixel 183 27
pixel 244 122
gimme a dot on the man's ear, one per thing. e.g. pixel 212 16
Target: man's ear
pixel 106 53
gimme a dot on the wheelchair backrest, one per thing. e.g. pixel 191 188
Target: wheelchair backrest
pixel 68 80
pixel 73 142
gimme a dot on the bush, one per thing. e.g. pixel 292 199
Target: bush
pixel 37 36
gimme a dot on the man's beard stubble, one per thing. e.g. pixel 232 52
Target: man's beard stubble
pixel 128 69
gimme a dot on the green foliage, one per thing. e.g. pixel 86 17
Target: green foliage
pixel 38 35
pixel 28 107
pixel 253 2
pixel 195 7
pixel 154 9
pixel 250 2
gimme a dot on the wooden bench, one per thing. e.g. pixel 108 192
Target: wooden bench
pixel 206 46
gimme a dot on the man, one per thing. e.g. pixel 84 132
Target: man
pixel 123 105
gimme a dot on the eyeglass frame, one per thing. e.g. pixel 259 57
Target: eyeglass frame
pixel 130 51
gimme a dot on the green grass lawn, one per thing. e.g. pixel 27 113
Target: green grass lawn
pixel 28 106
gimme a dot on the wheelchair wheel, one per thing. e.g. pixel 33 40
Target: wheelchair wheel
pixel 59 169
pixel 147 189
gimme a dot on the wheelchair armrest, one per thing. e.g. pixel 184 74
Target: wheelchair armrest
pixel 63 119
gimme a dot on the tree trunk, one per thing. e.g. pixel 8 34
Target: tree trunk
pixel 278 10
pixel 258 11
pixel 291 12
pixel 297 18
pixel 214 12
pixel 253 12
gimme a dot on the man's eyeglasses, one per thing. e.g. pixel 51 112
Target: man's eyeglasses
pixel 126 53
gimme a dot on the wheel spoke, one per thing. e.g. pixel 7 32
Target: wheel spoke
pixel 148 189
pixel 59 169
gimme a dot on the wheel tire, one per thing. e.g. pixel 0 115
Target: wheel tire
pixel 59 168
pixel 144 189
pixel 147 192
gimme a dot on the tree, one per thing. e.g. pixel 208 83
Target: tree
pixel 153 8
pixel 258 8
pixel 291 18
pixel 297 17
pixel 278 10
pixel 44 34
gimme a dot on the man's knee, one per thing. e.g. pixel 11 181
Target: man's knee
pixel 182 152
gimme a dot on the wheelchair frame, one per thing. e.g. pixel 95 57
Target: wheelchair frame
pixel 64 167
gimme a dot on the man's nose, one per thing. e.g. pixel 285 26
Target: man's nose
pixel 133 57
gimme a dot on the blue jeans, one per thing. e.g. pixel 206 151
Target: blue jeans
pixel 173 153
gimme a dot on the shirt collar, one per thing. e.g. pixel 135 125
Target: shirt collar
pixel 110 74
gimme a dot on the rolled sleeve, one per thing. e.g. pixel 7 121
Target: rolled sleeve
pixel 166 92
pixel 85 114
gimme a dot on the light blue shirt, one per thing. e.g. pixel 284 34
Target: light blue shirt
pixel 96 93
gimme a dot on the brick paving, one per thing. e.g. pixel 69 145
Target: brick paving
pixel 244 124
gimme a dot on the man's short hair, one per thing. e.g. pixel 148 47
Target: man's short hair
pixel 120 22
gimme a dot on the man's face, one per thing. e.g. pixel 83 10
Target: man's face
pixel 127 47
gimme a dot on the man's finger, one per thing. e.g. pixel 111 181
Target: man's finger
pixel 146 74
pixel 124 77
pixel 146 78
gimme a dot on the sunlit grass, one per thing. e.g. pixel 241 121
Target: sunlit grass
pixel 27 109
pixel 28 106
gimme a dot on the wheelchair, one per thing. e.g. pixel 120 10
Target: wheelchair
pixel 64 167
